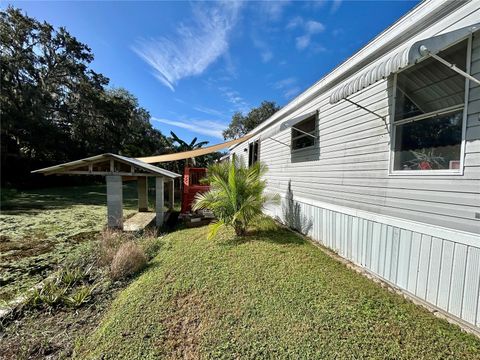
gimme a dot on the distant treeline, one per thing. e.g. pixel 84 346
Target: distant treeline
pixel 54 108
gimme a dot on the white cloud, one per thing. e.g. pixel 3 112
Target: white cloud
pixel 314 27
pixel 204 127
pixel 291 92
pixel 209 111
pixel 310 28
pixel 281 84
pixel 295 22
pixel 273 9
pixel 194 47
pixel 234 98
pixel 302 41
pixel 265 53
pixel 288 87
pixel 335 6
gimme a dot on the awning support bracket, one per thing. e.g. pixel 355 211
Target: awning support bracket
pixel 371 112
pixel 303 132
pixel 424 51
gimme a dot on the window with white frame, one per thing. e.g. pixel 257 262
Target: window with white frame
pixel 303 133
pixel 428 118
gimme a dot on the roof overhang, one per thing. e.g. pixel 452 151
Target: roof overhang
pixel 107 164
pixel 405 56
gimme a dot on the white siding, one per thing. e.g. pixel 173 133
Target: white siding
pixel 442 272
pixel 417 232
pixel 350 165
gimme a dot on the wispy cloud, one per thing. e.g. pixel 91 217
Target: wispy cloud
pixel 234 98
pixel 265 52
pixel 209 111
pixel 310 28
pixel 204 127
pixel 335 6
pixel 288 87
pixel 194 47
pixel 273 9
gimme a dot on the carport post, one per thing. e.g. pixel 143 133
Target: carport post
pixel 172 195
pixel 142 193
pixel 159 200
pixel 114 201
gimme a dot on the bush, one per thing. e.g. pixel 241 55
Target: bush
pixel 129 259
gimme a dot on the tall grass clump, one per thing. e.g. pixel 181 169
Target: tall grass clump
pixel 129 259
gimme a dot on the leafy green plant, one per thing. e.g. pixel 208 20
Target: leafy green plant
pixel 50 294
pixel 426 160
pixel 81 296
pixel 70 276
pixel 236 195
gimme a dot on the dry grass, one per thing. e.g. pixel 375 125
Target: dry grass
pixel 129 259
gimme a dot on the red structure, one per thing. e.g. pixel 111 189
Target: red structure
pixel 191 186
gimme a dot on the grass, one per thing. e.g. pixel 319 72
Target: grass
pixel 41 228
pixel 272 295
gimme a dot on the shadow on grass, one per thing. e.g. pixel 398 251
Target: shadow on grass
pixel 33 201
pixel 266 230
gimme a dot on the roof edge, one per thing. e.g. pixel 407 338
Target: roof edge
pixel 417 18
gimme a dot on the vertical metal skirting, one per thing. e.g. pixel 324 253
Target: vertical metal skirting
pixel 439 271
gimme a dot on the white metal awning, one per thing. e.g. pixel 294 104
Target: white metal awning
pixel 275 129
pixel 407 55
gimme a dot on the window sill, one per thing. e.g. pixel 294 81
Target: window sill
pixel 453 172
pixel 302 149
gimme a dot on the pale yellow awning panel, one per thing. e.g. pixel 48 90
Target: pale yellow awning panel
pixel 192 153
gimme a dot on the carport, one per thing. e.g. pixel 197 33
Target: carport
pixel 116 169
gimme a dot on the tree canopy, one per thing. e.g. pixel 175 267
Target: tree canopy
pixel 54 108
pixel 242 124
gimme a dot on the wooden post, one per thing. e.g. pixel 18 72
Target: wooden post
pixel 159 200
pixel 142 186
pixel 114 201
pixel 172 195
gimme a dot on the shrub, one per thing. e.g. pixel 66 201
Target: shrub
pixel 236 195
pixel 129 259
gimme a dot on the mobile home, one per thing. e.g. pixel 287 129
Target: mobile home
pixel 380 159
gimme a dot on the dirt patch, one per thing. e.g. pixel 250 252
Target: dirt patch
pixel 51 335
pixel 185 326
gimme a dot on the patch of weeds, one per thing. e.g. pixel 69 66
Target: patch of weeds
pixel 80 296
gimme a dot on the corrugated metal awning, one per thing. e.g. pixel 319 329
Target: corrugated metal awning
pixel 403 57
pixel 193 153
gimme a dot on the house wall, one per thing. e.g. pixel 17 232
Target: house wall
pixel 418 232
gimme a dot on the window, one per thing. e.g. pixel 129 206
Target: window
pixel 253 152
pixel 428 119
pixel 300 131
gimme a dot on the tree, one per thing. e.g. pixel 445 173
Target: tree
pixel 54 108
pixel 236 195
pixel 242 124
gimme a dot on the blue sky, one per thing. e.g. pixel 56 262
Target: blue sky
pixel 193 64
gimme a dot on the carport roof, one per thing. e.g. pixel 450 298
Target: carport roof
pixel 74 167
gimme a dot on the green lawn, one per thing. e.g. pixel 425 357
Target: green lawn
pixel 40 228
pixel 273 296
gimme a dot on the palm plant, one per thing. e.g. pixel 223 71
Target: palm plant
pixel 236 195
pixel 184 146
